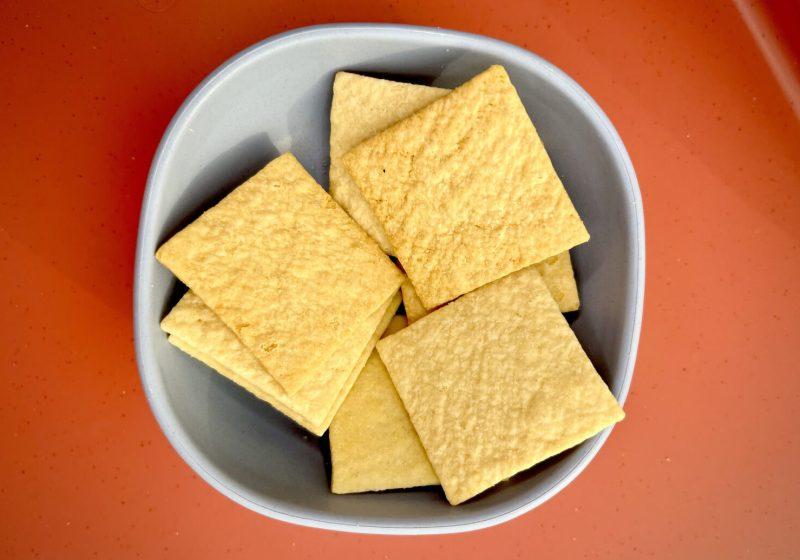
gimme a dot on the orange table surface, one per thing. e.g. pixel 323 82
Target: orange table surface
pixel 707 462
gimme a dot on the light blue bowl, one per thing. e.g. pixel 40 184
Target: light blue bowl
pixel 274 97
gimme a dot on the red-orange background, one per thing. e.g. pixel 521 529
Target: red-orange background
pixel 706 464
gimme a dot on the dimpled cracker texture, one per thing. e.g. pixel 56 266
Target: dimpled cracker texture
pixel 284 267
pixel 496 382
pixel 361 108
pixel 196 330
pixel 465 190
pixel 373 444
pixel 557 275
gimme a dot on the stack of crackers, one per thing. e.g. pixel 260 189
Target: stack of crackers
pixel 290 290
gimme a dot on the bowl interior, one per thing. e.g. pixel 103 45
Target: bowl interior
pixel 276 97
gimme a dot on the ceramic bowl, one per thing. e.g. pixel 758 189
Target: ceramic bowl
pixel 275 97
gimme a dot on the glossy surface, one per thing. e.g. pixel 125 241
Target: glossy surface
pixel 250 452
pixel 705 464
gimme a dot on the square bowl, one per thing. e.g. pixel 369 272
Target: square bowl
pixel 275 97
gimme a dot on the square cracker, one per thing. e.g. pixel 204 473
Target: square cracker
pixel 361 108
pixel 373 444
pixel 465 190
pixel 284 267
pixel 496 382
pixel 196 330
pixel 557 275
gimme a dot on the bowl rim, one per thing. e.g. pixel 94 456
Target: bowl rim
pixel 155 391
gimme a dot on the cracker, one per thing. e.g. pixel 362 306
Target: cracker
pixel 284 267
pixel 465 190
pixel 361 108
pixel 252 387
pixel 559 278
pixel 556 272
pixel 195 329
pixel 373 444
pixel 397 323
pixel 496 382
pixel 414 308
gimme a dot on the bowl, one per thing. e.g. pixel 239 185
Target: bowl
pixel 275 97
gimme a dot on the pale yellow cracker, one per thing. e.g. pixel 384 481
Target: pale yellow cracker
pixel 195 329
pixel 414 308
pixel 284 267
pixel 559 278
pixel 465 190
pixel 556 272
pixel 244 382
pixel 373 444
pixel 496 382
pixel 361 108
